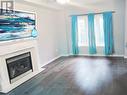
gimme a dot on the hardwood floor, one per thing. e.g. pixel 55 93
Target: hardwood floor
pixel 78 76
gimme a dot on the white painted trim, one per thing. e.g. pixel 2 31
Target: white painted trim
pixel 67 55
pixel 43 4
pixel 125 56
pixel 50 61
pixel 15 41
pixel 98 55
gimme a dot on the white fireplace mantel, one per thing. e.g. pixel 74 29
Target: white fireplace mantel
pixel 16 45
pixel 13 48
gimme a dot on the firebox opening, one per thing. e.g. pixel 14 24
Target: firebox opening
pixel 19 66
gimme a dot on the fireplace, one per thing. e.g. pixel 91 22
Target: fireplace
pixel 19 62
pixel 19 66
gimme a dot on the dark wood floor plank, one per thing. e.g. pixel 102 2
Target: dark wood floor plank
pixel 78 76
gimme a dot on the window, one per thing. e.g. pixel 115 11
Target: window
pixel 83 31
pixel 99 30
pixel 83 39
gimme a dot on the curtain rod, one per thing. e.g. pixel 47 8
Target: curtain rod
pixel 88 14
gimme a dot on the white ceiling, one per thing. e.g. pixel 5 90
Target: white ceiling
pixel 73 3
pixel 88 1
pixel 76 1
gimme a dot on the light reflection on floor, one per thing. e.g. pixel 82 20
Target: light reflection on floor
pixel 90 75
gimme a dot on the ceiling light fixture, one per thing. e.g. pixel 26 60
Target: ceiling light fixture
pixel 62 1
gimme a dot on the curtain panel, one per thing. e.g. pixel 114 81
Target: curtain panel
pixel 108 33
pixel 75 48
pixel 91 34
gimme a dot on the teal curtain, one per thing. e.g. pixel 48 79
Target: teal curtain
pixel 91 34
pixel 108 33
pixel 75 49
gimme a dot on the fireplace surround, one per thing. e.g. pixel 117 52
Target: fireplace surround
pixel 19 62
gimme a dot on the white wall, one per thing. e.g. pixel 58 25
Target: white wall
pixel 118 21
pixel 54 28
pixel 49 28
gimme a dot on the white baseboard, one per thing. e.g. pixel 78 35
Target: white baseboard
pixel 125 57
pixel 67 55
pixel 98 55
pixel 50 61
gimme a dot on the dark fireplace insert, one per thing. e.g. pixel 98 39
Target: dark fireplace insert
pixel 19 66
